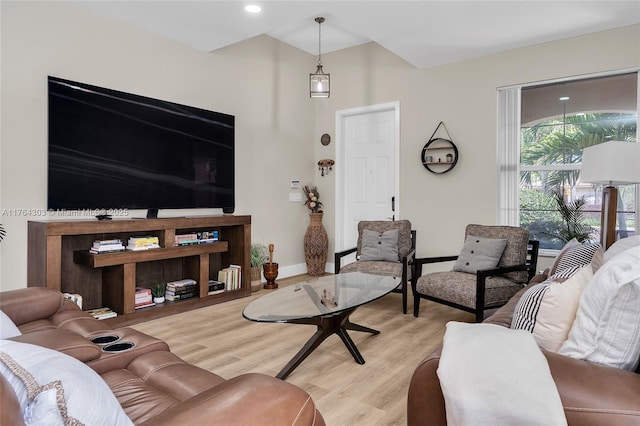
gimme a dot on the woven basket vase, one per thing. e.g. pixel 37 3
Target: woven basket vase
pixel 316 245
pixel 256 273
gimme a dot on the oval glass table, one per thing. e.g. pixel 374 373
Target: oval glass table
pixel 326 302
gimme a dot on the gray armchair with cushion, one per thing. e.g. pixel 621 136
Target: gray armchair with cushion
pixel 384 248
pixel 494 264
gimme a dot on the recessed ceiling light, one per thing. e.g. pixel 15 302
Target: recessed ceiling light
pixel 564 98
pixel 253 8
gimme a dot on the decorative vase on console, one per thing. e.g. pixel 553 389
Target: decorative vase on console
pixel 316 240
pixel 270 271
pixel 316 244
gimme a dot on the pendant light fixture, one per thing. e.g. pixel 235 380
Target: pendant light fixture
pixel 319 81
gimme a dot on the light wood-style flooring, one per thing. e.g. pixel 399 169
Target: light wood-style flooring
pixel 219 339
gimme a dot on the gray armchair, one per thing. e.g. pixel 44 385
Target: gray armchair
pixel 487 287
pixel 397 261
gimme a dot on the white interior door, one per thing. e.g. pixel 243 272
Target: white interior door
pixel 367 172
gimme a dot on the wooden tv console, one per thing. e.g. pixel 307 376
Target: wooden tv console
pixel 59 258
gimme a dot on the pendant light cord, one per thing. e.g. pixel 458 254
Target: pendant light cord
pixel 319 20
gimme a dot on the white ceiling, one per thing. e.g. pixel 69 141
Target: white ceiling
pixel 424 33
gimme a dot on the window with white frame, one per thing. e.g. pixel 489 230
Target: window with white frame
pixel 542 130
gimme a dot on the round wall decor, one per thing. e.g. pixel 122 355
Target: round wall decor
pixel 325 139
pixel 439 155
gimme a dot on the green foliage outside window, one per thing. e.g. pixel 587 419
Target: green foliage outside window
pixel 539 216
pixel 560 141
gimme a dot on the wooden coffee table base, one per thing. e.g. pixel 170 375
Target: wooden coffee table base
pixel 327 325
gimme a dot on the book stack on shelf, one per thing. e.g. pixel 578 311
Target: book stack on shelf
pixel 205 237
pixel 231 276
pixel 102 313
pixel 186 239
pixel 181 289
pixel 143 298
pixel 143 243
pixel 75 298
pixel 106 246
pixel 216 287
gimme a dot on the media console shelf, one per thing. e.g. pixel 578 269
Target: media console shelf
pixel 59 258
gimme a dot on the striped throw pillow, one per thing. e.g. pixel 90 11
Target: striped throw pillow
pixel 577 254
pixel 548 309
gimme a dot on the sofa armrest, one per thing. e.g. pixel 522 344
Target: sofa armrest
pixel 31 304
pixel 63 341
pixel 425 402
pixel 244 400
pixel 591 394
pixel 594 394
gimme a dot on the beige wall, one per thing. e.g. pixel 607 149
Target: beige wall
pixel 463 95
pixel 264 84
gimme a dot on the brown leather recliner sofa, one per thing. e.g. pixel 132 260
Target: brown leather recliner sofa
pixel 591 394
pixel 153 386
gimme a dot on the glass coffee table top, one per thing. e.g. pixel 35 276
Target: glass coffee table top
pixel 326 302
pixel 320 297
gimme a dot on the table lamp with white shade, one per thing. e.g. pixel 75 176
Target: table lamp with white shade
pixel 610 163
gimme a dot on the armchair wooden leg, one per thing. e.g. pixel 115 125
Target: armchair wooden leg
pixel 481 280
pixel 404 298
pixel 416 306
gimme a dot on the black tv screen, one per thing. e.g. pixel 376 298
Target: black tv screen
pixel 114 150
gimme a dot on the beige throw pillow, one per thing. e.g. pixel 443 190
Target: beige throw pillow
pixel 548 310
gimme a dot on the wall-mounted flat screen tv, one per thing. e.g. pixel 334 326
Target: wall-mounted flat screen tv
pixel 114 150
